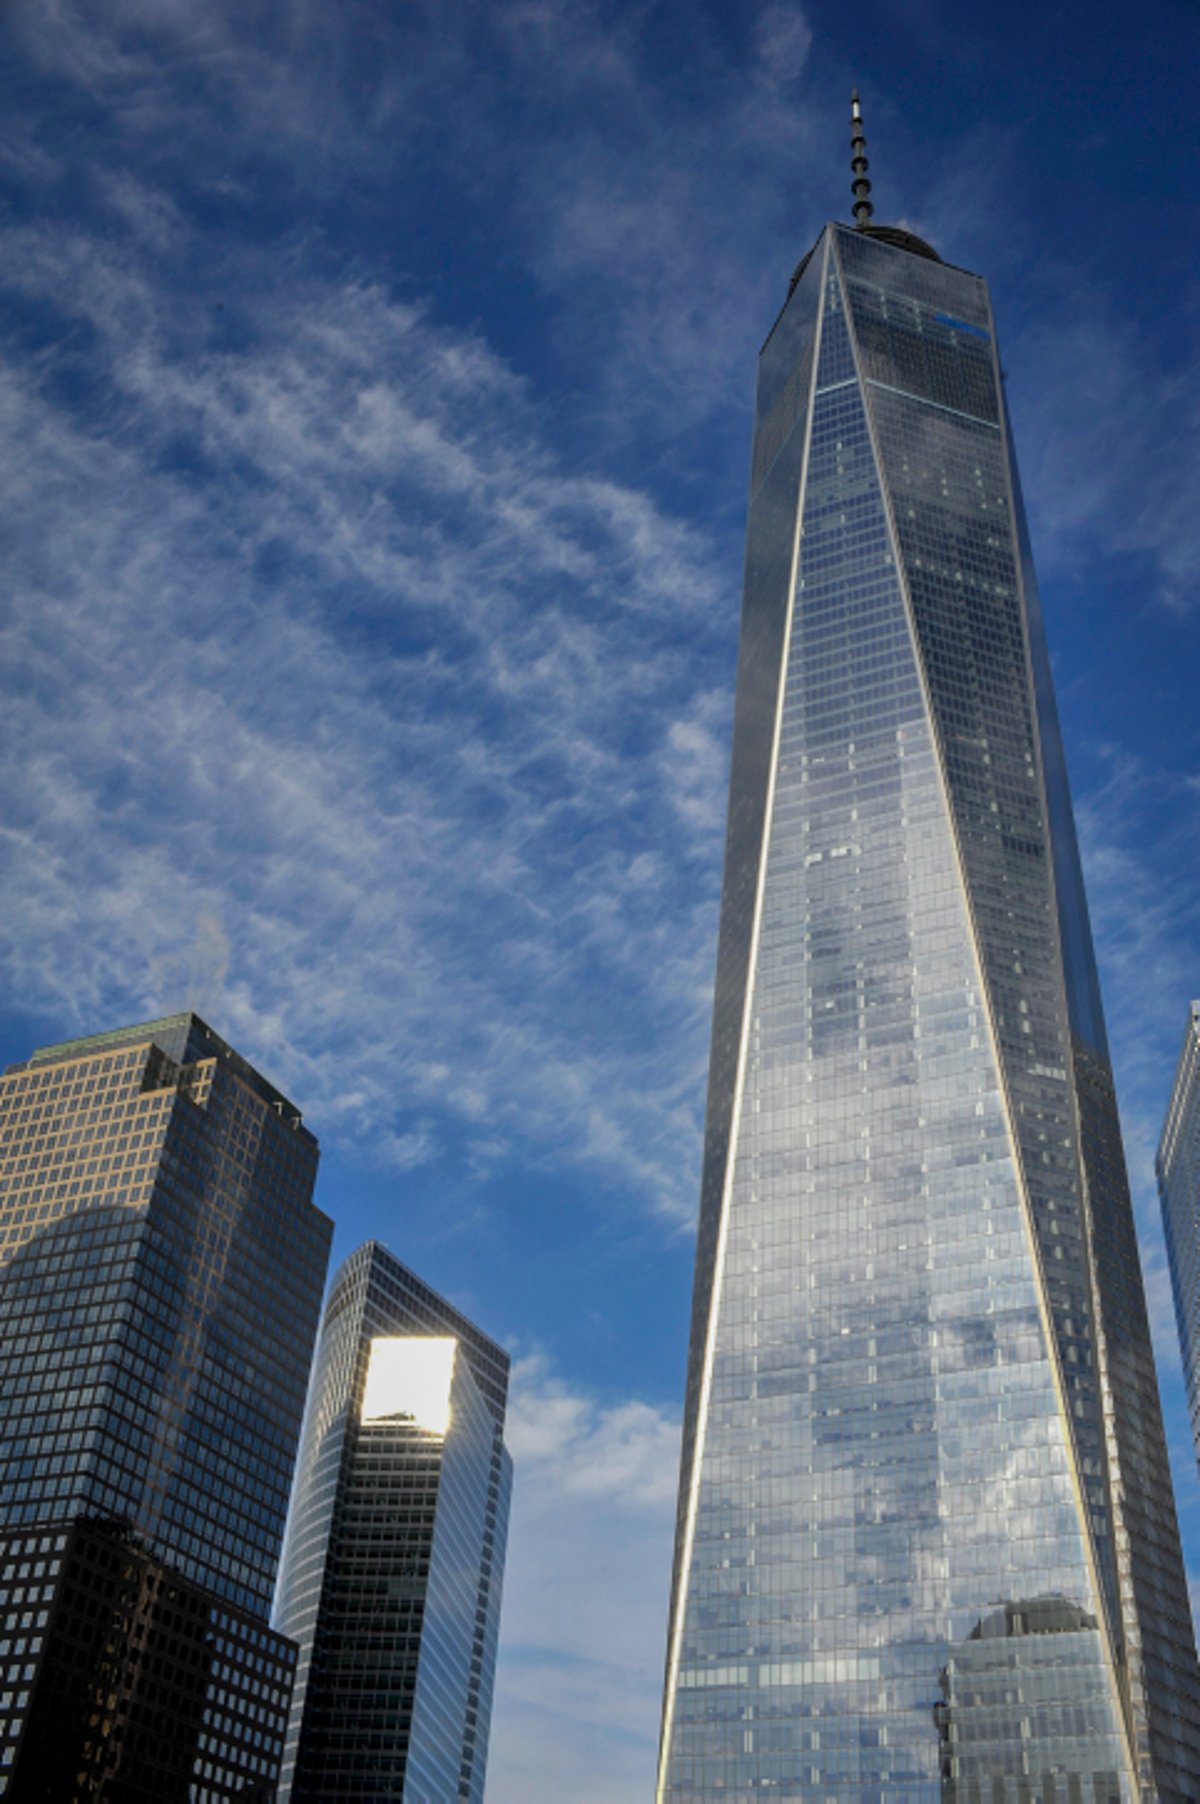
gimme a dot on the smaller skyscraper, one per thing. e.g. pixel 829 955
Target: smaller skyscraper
pixel 161 1264
pixel 1030 1673
pixel 1178 1168
pixel 394 1553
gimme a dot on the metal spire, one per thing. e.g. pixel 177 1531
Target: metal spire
pixel 860 187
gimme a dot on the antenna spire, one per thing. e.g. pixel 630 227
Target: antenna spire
pixel 860 187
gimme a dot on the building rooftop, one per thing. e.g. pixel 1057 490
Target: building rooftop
pixel 184 1038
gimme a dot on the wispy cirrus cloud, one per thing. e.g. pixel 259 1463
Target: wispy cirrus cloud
pixel 663 288
pixel 316 646
pixel 1145 935
pixel 1109 429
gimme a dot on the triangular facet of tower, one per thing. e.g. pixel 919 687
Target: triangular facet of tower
pixel 935 410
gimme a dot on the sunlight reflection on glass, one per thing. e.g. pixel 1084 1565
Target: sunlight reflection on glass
pixel 408 1378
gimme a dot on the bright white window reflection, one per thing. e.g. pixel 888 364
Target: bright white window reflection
pixel 408 1379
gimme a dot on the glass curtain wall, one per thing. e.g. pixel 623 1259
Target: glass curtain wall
pixel 911 1468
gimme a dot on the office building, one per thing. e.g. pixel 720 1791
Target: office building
pixel 394 1556
pixel 161 1265
pixel 920 1395
pixel 1011 1681
pixel 147 1686
pixel 1178 1168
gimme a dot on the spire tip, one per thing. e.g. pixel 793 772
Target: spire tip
pixel 860 185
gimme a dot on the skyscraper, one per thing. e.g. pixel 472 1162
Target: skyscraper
pixel 926 1543
pixel 161 1264
pixel 1178 1168
pixel 394 1556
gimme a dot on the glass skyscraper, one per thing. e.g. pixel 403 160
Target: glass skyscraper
pixel 161 1266
pixel 1178 1167
pixel 394 1555
pixel 926 1544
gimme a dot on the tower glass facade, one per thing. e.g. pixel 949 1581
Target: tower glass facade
pixel 161 1264
pixel 921 1411
pixel 1178 1168
pixel 394 1556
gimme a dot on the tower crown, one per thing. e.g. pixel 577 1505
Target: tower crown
pixel 864 208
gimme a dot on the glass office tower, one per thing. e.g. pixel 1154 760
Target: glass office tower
pixel 394 1557
pixel 926 1544
pixel 161 1266
pixel 1178 1168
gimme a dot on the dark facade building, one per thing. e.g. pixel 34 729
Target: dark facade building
pixel 161 1264
pixel 139 1684
pixel 920 1383
pixel 394 1557
pixel 1178 1168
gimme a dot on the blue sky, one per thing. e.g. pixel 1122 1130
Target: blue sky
pixel 375 384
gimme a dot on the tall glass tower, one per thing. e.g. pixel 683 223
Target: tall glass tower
pixel 1178 1167
pixel 394 1555
pixel 926 1544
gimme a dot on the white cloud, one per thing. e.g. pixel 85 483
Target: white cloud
pixel 404 1152
pixel 783 39
pixel 584 1623
pixel 696 761
pixel 573 1445
pixel 1108 434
